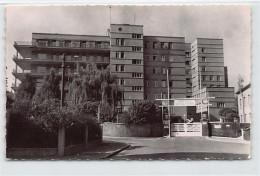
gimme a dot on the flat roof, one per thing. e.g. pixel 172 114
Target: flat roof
pixel 127 25
pixel 163 36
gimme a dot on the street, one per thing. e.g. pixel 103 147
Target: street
pixel 188 148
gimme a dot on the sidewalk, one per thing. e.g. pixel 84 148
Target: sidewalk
pixel 227 139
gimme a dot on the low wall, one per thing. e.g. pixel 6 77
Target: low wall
pixel 132 130
pixel 226 129
pixel 30 152
pixel 45 152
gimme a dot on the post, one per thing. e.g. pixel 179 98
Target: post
pixel 200 94
pixel 61 135
pixel 169 110
pixel 61 141
pixel 208 111
pixel 86 137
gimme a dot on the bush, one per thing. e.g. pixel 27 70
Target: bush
pixel 144 112
pixel 23 133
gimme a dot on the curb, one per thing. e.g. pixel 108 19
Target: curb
pixel 115 152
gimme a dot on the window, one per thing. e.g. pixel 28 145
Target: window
pixel 137 75
pixel 170 71
pixel 121 81
pixel 119 29
pixel 156 96
pixel 154 57
pixel 164 45
pixel 154 45
pixel 187 62
pixel 41 69
pixel 164 70
pixel 146 58
pixel 203 50
pixel 136 48
pixel 220 104
pixel 170 83
pixel 203 59
pixel 163 83
pixel 155 84
pixel 170 45
pixel 171 59
pixel 163 58
pixel 187 54
pixel 171 96
pixel 42 56
pixel 203 68
pixel 120 41
pixel 137 88
pixel 154 70
pixel 146 44
pixel 210 78
pixel 147 83
pixel 136 36
pixel 120 54
pixel 120 68
pixel 164 96
pixel 136 61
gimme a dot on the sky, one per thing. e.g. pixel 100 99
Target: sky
pixel 228 22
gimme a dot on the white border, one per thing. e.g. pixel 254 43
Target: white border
pixel 248 167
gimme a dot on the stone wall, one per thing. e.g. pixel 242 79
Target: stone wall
pixel 132 130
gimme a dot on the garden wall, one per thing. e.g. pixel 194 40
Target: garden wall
pixel 132 130
pixel 226 129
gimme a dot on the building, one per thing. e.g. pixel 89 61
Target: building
pixel 140 62
pixel 209 77
pixel 244 104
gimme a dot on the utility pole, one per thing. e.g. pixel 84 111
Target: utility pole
pixel 169 110
pixel 200 93
pixel 61 135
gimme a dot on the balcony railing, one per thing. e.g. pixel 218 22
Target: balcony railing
pixel 63 45
pixel 23 43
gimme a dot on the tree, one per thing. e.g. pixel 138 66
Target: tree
pixel 50 88
pixel 25 92
pixel 144 112
pixel 229 114
pixel 94 85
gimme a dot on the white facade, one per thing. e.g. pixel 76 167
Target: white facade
pixel 244 104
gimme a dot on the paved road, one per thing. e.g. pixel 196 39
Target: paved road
pixel 180 148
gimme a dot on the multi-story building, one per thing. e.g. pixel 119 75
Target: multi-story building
pixel 209 76
pixel 141 64
pixel 244 104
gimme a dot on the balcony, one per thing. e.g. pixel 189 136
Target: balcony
pixel 63 45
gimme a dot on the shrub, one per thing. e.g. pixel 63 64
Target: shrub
pixel 23 133
pixel 144 112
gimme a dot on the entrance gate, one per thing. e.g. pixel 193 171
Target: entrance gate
pixel 186 129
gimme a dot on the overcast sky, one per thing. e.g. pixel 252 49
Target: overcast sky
pixel 231 23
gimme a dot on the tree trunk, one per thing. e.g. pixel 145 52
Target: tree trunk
pixel 61 141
